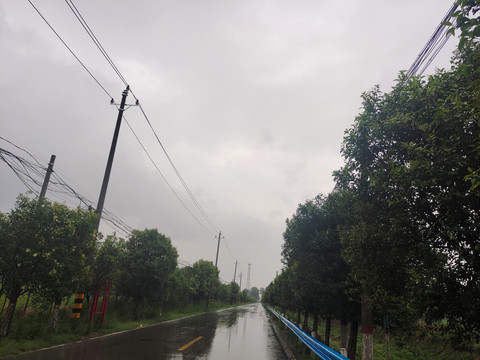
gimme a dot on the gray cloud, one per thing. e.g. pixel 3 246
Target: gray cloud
pixel 251 100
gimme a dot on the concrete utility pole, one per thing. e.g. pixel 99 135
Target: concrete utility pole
pixel 241 281
pixel 248 277
pixel 235 272
pixel 218 247
pixel 43 192
pixel 108 169
pixel 47 177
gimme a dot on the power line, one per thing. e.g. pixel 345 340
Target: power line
pixel 89 31
pixel 71 51
pixel 112 64
pixel 434 45
pixel 230 253
pixel 223 281
pixel 184 263
pixel 21 169
pixel 164 179
pixel 97 43
pixel 87 28
pixel 197 204
pixel 229 257
pixel 33 172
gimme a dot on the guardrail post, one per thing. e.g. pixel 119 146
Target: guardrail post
pixel 321 350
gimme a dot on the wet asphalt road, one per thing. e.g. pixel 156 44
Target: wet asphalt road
pixel 240 333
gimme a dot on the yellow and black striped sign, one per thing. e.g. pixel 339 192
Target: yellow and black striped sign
pixel 77 306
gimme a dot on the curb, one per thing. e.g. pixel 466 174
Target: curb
pixel 281 339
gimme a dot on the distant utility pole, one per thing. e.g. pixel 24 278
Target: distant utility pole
pixel 241 281
pixel 108 169
pixel 218 247
pixel 235 272
pixel 248 277
pixel 47 177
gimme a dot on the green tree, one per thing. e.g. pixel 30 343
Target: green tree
pixel 205 281
pixel 108 257
pixel 67 255
pixel 234 292
pixel 415 219
pixel 182 288
pixel 443 207
pixel 147 265
pixel 379 242
pixel 245 296
pixel 467 21
pixel 298 254
pixel 255 293
pixel 312 249
pixel 19 251
pixel 281 292
pixel 223 293
pixel 45 247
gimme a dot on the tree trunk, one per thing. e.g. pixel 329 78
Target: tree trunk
pixel 305 321
pixel 315 325
pixel 352 340
pixel 51 308
pixel 26 304
pixel 12 303
pixel 3 306
pixel 328 326
pixel 67 303
pixel 343 332
pixel 56 308
pixel 387 338
pixel 299 313
pixel 367 326
pixel 88 303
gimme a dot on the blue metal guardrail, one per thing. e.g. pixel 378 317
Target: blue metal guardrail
pixel 322 350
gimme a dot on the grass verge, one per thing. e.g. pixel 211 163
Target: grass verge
pixel 423 343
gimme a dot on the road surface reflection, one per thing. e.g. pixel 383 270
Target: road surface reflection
pixel 240 333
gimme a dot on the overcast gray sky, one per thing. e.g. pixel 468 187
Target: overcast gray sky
pixel 250 99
